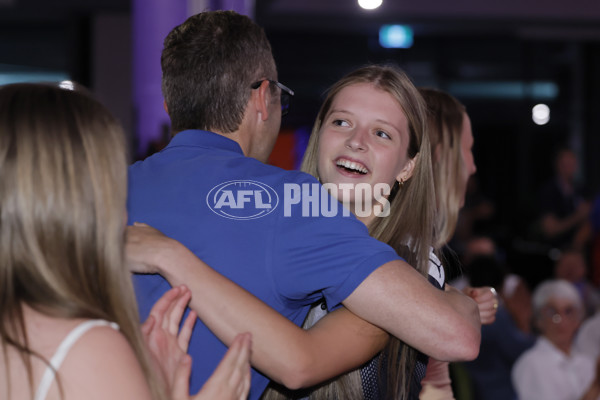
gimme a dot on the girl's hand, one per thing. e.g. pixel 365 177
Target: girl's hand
pixel 231 379
pixel 487 301
pixel 144 246
pixel 167 344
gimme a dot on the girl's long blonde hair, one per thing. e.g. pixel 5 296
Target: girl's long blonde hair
pixel 444 126
pixel 62 216
pixel 410 220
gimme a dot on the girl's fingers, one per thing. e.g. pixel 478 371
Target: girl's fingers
pixel 243 365
pixel 181 381
pixel 160 308
pixel 245 344
pixel 177 309
pixel 186 331
pixel 245 387
pixel 240 362
pixel 148 325
pixel 238 352
pixel 231 378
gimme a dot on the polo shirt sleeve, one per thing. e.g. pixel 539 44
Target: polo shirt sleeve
pixel 315 255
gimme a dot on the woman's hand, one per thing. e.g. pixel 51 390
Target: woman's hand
pixel 487 302
pixel 168 346
pixel 144 247
pixel 231 379
pixel 166 343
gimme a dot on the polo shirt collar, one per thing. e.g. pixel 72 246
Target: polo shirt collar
pixel 206 139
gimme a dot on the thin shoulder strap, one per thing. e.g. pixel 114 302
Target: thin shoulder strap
pixel 63 349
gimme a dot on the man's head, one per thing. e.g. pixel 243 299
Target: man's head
pixel 209 64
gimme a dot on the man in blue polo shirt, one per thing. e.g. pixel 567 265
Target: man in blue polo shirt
pixel 211 190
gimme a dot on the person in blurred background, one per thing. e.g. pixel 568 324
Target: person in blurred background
pixel 503 341
pixel 571 266
pixel 594 229
pixel 564 210
pixel 553 369
pixel 588 336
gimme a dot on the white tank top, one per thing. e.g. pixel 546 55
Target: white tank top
pixel 63 349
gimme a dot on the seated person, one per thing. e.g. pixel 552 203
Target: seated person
pixel 564 211
pixel 572 267
pixel 553 369
pixel 588 337
pixel 503 341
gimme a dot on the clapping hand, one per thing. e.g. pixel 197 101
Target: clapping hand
pixel 168 346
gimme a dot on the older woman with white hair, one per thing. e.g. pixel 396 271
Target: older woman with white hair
pixel 553 369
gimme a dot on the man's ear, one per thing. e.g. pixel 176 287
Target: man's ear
pixel 261 98
pixel 165 106
pixel 408 169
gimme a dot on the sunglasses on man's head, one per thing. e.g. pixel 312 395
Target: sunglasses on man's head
pixel 286 94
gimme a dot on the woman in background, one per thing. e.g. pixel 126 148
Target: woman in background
pixel 451 138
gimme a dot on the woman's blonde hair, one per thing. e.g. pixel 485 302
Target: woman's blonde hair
pixel 62 216
pixel 409 223
pixel 444 127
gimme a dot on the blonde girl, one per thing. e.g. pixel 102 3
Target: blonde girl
pixel 68 321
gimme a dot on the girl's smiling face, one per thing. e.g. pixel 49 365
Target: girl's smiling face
pixel 364 139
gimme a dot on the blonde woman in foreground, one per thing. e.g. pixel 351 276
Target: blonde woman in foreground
pixel 68 321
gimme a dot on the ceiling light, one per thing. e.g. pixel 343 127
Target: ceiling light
pixel 369 4
pixel 540 114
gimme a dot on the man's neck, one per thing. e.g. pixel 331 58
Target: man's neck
pixel 237 137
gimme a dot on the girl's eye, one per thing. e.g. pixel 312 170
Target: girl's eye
pixel 340 122
pixel 383 134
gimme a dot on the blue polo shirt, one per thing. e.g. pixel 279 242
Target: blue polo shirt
pixel 246 220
